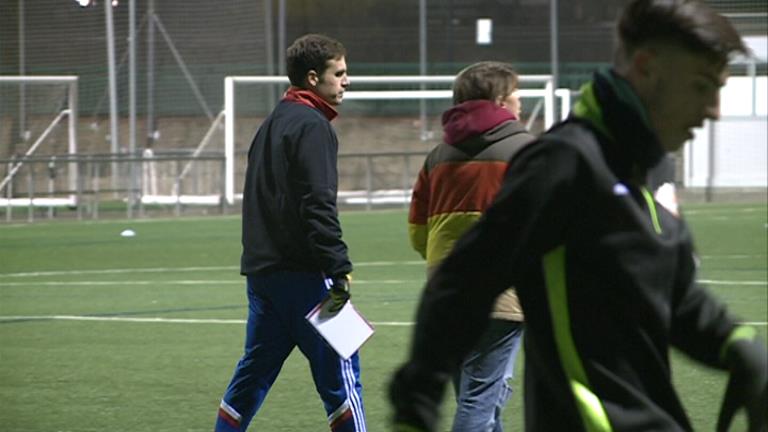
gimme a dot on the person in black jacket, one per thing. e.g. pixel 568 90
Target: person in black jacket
pixel 607 277
pixel 293 253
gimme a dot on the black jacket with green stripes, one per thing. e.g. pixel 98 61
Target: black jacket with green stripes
pixel 605 275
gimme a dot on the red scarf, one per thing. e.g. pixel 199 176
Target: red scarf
pixel 308 98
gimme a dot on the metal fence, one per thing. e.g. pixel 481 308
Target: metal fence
pixel 95 186
pixel 86 187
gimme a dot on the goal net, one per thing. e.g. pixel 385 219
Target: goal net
pixel 386 126
pixel 38 116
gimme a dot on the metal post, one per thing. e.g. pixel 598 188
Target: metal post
pixel 140 190
pixel 223 187
pixel 95 174
pixel 150 126
pixel 132 77
pixel 72 146
pixel 270 49
pixel 132 102
pixel 24 135
pixel 406 179
pixel 79 190
pixel 229 139
pixel 423 65
pixel 9 195
pixel 368 181
pixel 51 180
pixel 281 43
pixel 553 43
pixel 113 128
pixel 31 192
pixel 177 189
pixel 752 70
pixel 709 192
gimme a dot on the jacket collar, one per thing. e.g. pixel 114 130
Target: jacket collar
pixel 308 98
pixel 610 105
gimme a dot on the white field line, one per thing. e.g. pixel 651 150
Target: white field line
pixel 241 281
pixel 155 320
pixel 180 269
pixel 731 282
pixel 732 257
pixel 236 268
pixel 705 211
pixel 181 282
pixel 158 320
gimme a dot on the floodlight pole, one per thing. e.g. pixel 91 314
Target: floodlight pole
pixel 22 71
pixel 113 128
pixel 281 42
pixel 132 103
pixel 270 48
pixel 423 65
pixel 553 43
pixel 150 123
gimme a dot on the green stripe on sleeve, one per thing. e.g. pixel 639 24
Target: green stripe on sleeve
pixel 591 409
pixel 652 209
pixel 739 333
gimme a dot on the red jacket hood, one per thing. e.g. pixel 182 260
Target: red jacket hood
pixel 471 118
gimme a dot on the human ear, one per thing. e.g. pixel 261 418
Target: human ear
pixel 312 78
pixel 644 70
pixel 644 62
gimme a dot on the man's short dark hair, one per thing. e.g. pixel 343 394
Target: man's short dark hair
pixel 311 52
pixel 487 80
pixel 688 24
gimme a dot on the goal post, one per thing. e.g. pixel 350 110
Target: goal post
pixel 25 83
pixel 544 91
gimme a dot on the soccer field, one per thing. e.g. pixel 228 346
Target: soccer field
pixel 104 333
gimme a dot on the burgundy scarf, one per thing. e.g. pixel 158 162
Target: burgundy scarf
pixel 308 98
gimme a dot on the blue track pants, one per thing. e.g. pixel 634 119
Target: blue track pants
pixel 277 305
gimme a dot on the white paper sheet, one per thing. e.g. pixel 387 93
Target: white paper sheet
pixel 345 331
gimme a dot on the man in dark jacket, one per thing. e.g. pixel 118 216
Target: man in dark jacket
pixel 293 253
pixel 607 278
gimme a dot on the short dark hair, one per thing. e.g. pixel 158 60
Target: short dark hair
pixel 486 80
pixel 311 52
pixel 689 24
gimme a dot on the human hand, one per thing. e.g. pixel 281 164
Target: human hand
pixel 747 386
pixel 339 292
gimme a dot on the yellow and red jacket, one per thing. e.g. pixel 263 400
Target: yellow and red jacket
pixel 459 180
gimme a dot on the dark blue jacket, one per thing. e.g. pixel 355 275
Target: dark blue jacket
pixel 290 220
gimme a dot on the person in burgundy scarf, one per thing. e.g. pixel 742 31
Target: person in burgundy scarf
pixel 293 253
pixel 457 183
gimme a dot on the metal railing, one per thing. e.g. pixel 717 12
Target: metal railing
pixel 83 186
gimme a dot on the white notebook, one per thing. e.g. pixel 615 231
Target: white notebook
pixel 345 331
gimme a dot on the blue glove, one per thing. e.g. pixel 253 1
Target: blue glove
pixel 747 386
pixel 339 292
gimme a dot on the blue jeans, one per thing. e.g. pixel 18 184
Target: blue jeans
pixel 482 388
pixel 277 304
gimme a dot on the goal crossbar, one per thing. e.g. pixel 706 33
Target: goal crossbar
pixel 546 92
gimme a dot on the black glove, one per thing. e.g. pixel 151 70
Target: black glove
pixel 339 292
pixel 416 398
pixel 747 386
